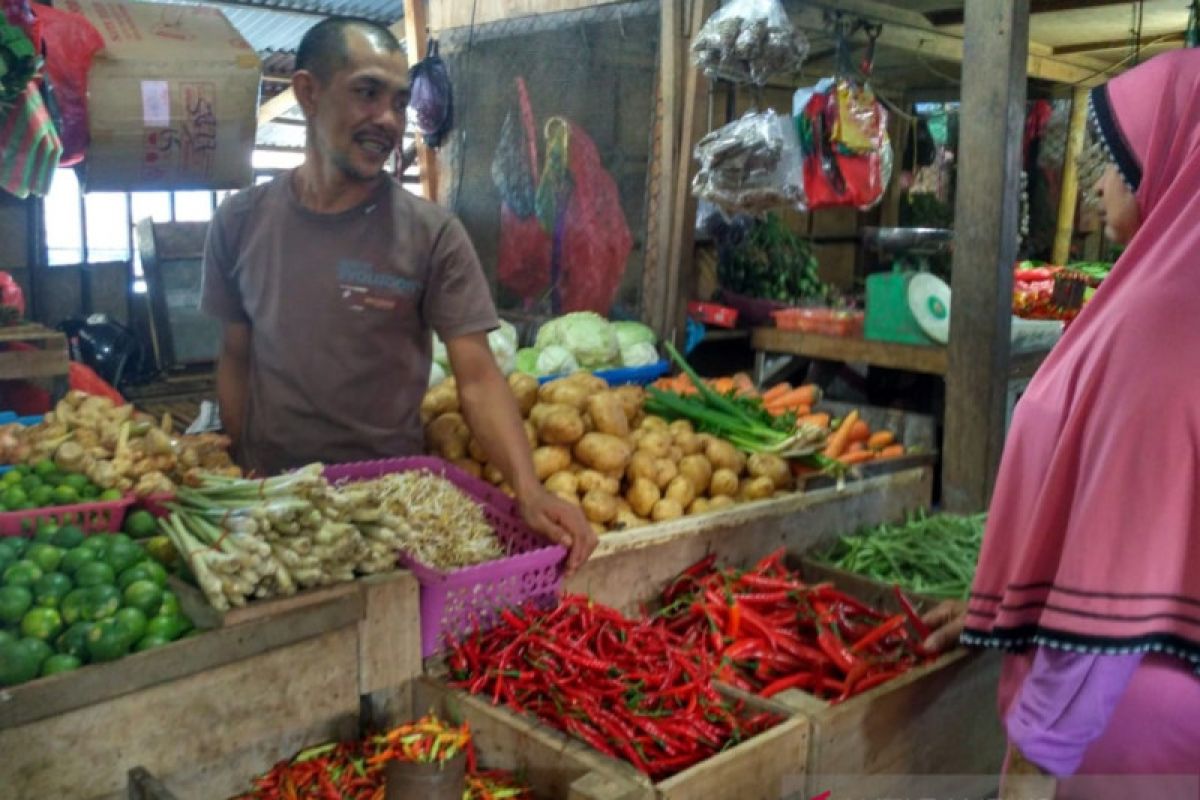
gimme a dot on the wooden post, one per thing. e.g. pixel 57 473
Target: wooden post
pixel 993 118
pixel 416 32
pixel 1069 197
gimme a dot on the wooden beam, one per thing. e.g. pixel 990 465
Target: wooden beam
pixel 985 248
pixel 416 34
pixel 1068 199
pixel 1118 44
pixel 955 16
pixel 674 27
pixel 277 105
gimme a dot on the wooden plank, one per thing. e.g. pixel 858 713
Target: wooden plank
pixel 196 605
pixel 913 358
pixel 277 105
pixel 416 32
pixel 630 567
pixel 1068 199
pixel 30 332
pixel 21 364
pixel 99 683
pixel 203 736
pixel 658 263
pixel 389 642
pixel 985 249
pixel 144 786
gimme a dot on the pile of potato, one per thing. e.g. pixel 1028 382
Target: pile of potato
pixel 596 447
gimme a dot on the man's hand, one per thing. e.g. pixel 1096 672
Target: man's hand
pixel 561 523
pixel 947 621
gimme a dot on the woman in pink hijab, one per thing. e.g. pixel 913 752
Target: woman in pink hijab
pixel 1090 571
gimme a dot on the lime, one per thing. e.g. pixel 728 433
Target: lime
pixel 68 536
pixel 123 555
pixel 11 477
pixel 41 623
pixel 73 606
pixel 63 496
pixel 7 559
pixel 18 545
pixel 54 478
pixel 109 495
pixel 13 497
pixel 51 588
pixel 7 636
pixel 44 467
pixel 108 641
pixel 30 483
pixel 101 602
pixel 141 524
pixel 73 640
pixel 45 533
pixel 14 602
pixel 42 496
pixel 117 537
pixel 149 642
pixel 168 627
pixel 23 469
pixel 39 649
pixel 60 662
pixel 95 573
pixel 133 621
pixel 89 493
pixel 76 481
pixel 75 558
pixel 138 572
pixel 11 547
pixel 46 556
pixel 22 573
pixel 98 543
pixel 170 606
pixel 144 595
pixel 17 663
pixel 161 550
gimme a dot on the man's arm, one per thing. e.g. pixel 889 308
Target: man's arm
pixel 233 374
pixel 492 414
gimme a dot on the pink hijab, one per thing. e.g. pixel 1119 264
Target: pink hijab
pixel 1093 540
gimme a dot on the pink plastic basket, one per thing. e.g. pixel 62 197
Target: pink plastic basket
pixel 99 517
pixel 455 601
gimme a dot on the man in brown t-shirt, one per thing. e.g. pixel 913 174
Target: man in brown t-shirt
pixel 329 280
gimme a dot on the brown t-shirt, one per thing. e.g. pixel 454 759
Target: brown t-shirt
pixel 340 308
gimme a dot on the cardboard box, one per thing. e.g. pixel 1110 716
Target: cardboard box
pixel 172 98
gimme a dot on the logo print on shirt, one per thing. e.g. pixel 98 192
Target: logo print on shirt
pixel 363 287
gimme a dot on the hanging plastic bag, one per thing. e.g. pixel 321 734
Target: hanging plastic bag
pixel 18 63
pixel 847 154
pixel 748 41
pixel 29 146
pixel 71 44
pixel 12 300
pixel 431 105
pixel 751 165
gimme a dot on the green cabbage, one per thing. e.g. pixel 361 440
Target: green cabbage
pixel 556 360
pixel 639 354
pixel 631 333
pixel 588 336
pixel 527 359
pixel 503 343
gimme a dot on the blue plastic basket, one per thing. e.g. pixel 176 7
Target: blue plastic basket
pixel 625 376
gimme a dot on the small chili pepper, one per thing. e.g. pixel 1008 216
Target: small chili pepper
pixel 878 634
pixel 798 680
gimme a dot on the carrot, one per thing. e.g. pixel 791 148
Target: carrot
pixel 857 457
pixel 723 385
pixel 881 439
pixel 818 420
pixel 892 451
pixel 840 439
pixel 805 395
pixel 856 447
pixel 775 391
pixel 743 385
pixel 861 431
pixel 801 411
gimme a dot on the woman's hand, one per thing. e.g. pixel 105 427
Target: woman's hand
pixel 561 523
pixel 946 622
pixel 1024 780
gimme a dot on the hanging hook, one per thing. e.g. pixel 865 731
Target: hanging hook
pixel 873 32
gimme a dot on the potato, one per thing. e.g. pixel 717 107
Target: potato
pixel 472 468
pixel 592 481
pixel 636 437
pixel 448 436
pixel 720 502
pixel 475 450
pixel 681 491
pixel 627 519
pixel 600 506
pixel 680 426
pixel 757 488
pixel 589 424
pixel 642 496
pixel 697 470
pixel 654 423
pixel 642 465
pixel 566 392
pixel 688 443
pixel 561 425
pixel 701 505
pixel 549 460
pixel 598 528
pixel 623 505
pixel 722 455
pixel 675 453
pixel 570 497
pixel 441 399
pixel 768 465
pixel 492 474
pixel 724 482
pixel 665 471
pixel 525 390
pixel 590 383
pixel 632 399
pixel 531 434
pixel 656 443
pixel 563 483
pixel 603 452
pixel 608 414
pixel 666 509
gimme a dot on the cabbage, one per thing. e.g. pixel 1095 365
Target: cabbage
pixel 589 337
pixel 639 354
pixel 556 360
pixel 631 333
pixel 527 359
pixel 436 374
pixel 440 356
pixel 503 342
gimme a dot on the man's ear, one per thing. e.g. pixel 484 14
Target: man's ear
pixel 306 88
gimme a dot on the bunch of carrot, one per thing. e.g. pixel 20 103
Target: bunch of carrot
pixel 737 384
pixel 851 441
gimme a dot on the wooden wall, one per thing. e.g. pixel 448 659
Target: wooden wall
pixel 14 241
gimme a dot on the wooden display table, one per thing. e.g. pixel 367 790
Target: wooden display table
pixel 48 359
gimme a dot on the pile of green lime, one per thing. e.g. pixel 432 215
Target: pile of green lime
pixel 67 599
pixel 43 485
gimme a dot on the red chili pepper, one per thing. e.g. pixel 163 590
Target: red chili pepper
pixel 878 634
pixel 835 648
pixel 914 618
pixel 798 680
pixel 871 681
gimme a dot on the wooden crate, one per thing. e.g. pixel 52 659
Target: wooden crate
pixel 559 766
pixel 48 359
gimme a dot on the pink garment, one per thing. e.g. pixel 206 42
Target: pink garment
pixel 1139 727
pixel 1093 539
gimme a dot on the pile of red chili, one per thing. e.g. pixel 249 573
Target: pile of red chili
pixel 355 770
pixel 632 690
pixel 767 631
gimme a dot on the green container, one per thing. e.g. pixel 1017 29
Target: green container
pixel 889 318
